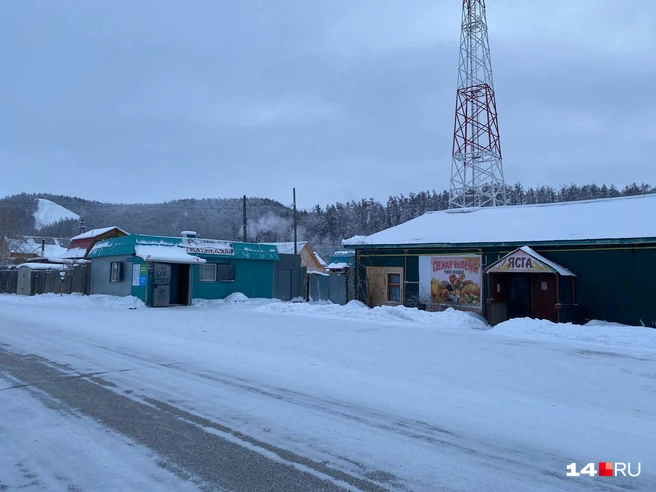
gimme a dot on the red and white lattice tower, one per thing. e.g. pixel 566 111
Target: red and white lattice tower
pixel 476 169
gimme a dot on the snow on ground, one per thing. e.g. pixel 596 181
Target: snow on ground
pixel 432 399
pixel 34 435
pixel 49 212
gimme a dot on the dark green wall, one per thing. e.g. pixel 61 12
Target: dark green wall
pixel 253 278
pixel 614 283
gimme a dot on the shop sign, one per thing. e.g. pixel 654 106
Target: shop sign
pixel 452 280
pixel 220 249
pixel 519 262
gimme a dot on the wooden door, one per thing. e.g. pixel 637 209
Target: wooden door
pixel 544 296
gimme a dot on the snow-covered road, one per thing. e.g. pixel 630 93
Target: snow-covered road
pixel 395 397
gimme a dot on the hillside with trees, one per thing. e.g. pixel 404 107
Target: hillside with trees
pixel 268 220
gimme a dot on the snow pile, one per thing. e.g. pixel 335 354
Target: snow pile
pixel 75 302
pixel 356 310
pixel 594 332
pixel 49 213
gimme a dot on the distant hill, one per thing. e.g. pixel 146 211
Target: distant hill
pixel 268 220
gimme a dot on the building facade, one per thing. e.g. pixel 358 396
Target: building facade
pixel 167 271
pixel 573 261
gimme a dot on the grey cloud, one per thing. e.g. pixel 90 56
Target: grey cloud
pixel 342 99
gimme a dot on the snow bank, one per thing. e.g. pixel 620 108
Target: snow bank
pixel 594 332
pixel 598 333
pixel 75 301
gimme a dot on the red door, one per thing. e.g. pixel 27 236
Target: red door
pixel 543 288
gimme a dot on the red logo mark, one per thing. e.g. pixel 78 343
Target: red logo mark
pixel 605 469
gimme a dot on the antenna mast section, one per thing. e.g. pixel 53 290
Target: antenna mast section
pixel 476 169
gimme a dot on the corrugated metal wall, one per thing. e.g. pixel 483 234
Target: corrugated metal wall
pixel 614 283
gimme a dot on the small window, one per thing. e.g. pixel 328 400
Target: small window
pixel 394 287
pixel 115 271
pixel 226 272
pixel 208 272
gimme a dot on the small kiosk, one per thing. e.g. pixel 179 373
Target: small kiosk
pixel 526 284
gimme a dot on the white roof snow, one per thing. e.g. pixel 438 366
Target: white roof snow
pixel 74 253
pixel 320 260
pixel 30 244
pixel 166 254
pixel 613 218
pixel 42 266
pixel 560 269
pixel 288 248
pixel 337 266
pixel 96 232
pixel 49 213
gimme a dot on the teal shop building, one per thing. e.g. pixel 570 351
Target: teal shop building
pixel 172 271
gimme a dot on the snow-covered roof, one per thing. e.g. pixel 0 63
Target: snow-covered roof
pixel 337 266
pixel 612 218
pixel 42 266
pixel 49 213
pixel 74 253
pixel 320 260
pixel 288 248
pixel 32 245
pixel 96 232
pixel 166 254
pixel 540 264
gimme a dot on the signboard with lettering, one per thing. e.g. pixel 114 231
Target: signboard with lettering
pixel 452 280
pixel 520 262
pixel 218 249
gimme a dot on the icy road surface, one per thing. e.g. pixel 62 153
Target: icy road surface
pixel 263 395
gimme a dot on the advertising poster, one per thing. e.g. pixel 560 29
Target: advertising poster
pixel 143 275
pixel 452 280
pixel 135 275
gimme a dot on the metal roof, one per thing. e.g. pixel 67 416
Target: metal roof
pixel 204 248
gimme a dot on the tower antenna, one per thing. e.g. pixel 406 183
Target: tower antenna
pixel 476 166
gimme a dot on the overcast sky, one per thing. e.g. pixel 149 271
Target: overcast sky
pixel 139 101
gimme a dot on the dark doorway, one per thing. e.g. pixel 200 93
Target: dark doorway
pixel 171 285
pixel 544 296
pixel 519 296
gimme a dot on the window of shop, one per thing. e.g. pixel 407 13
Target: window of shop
pixel 208 272
pixel 115 271
pixel 394 287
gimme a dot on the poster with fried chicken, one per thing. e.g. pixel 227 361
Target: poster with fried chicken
pixel 452 280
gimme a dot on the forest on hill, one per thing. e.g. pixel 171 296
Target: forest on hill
pixel 267 220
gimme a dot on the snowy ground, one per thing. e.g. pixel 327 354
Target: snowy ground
pixel 409 400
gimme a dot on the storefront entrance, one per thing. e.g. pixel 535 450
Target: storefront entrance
pixel 524 284
pixel 170 285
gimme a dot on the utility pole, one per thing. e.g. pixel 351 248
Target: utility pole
pixel 295 229
pixel 243 236
pixel 476 168
pixel 82 226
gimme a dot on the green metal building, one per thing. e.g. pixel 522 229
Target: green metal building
pixel 564 262
pixel 165 271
